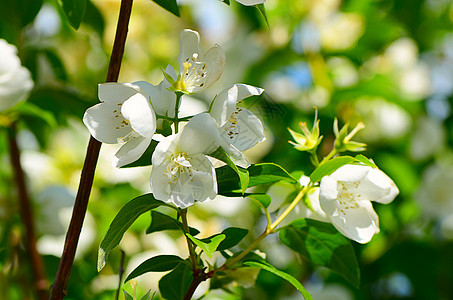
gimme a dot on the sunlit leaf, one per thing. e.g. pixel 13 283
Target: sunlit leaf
pixel 208 245
pixel 323 245
pixel 330 166
pixel 233 235
pixel 243 174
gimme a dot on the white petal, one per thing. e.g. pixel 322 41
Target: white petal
pixel 381 180
pixel 236 156
pixel 171 71
pixel 105 123
pixel 131 151
pixel 189 44
pixel 199 135
pixel 16 88
pixel 164 149
pixel 359 224
pixel 215 61
pixel 162 100
pixel 246 133
pixel 225 103
pixel 351 173
pixel 251 2
pixel 138 111
pixel 328 194
pixel 159 182
pixel 117 93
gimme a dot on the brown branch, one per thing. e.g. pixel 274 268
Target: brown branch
pixel 58 290
pixel 26 211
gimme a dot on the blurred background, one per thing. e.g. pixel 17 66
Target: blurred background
pixel 386 63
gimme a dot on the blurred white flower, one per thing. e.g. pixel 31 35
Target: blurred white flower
pixel 198 70
pixel 240 128
pixel 124 116
pixel 15 80
pixel 346 195
pixel 181 173
pixel 428 138
pixel 435 194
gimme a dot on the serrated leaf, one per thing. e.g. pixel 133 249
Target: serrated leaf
pixel 262 199
pixel 145 159
pixel 74 10
pixel 323 245
pixel 330 166
pixel 270 268
pixel 233 235
pixel 160 221
pixel 169 5
pixel 208 245
pixel 175 284
pixel 122 221
pixel 243 174
pixel 159 263
pixel 263 173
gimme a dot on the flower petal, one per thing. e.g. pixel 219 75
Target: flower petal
pixel 358 224
pixel 382 182
pixel 116 93
pixel 246 133
pixel 189 44
pixel 138 111
pixel 224 104
pixel 131 151
pixel 351 173
pixel 105 123
pixel 251 2
pixel 162 100
pixel 215 62
pixel 199 135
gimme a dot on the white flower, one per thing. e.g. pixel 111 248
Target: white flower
pixel 181 173
pixel 198 70
pixel 240 128
pixel 251 2
pixel 124 116
pixel 15 80
pixel 345 197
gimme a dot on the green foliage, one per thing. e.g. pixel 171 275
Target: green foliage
pixel 122 221
pixel 242 173
pixel 263 173
pixel 169 5
pixel 323 245
pixel 262 199
pixel 175 284
pixel 74 11
pixel 145 159
pixel 233 235
pixel 270 268
pixel 160 221
pixel 208 245
pixel 330 166
pixel 159 263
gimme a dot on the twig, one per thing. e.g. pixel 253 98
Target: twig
pixel 58 290
pixel 40 280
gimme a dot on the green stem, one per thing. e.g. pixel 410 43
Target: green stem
pixel 192 254
pixel 329 156
pixel 270 229
pixel 314 158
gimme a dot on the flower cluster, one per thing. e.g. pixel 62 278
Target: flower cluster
pixel 131 113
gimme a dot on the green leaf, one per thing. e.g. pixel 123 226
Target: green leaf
pixel 127 296
pixel 74 10
pixel 243 174
pixel 323 245
pixel 159 263
pixel 227 2
pixel 262 199
pixel 160 222
pixel 330 166
pixel 233 235
pixel 270 268
pixel 122 221
pixel 32 110
pixel 175 284
pixel 145 159
pixel 93 17
pixel 263 173
pixel 262 11
pixel 366 161
pixel 169 5
pixel 208 245
pixel 148 296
